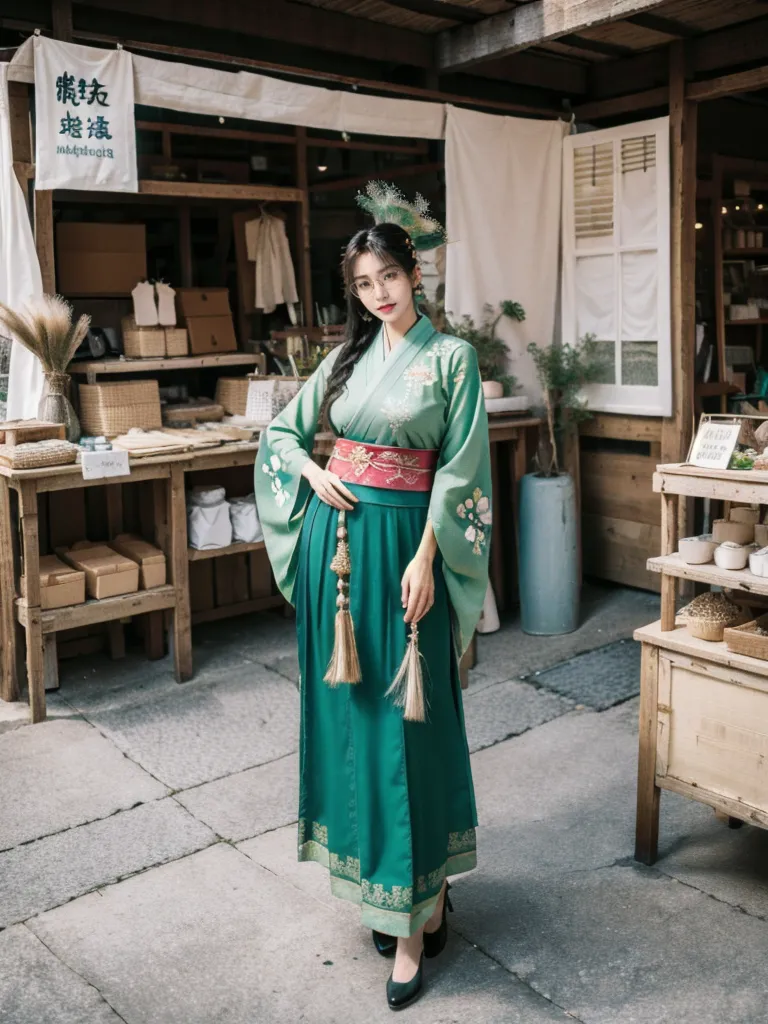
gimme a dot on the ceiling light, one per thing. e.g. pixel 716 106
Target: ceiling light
pixel 738 207
pixel 699 225
pixel 759 206
pixel 322 168
pixel 724 210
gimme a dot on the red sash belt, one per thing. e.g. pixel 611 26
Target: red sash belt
pixel 378 465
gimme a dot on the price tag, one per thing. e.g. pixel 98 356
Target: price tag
pixel 96 465
pixel 715 444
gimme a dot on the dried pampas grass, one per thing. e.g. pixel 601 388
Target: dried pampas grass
pixel 46 329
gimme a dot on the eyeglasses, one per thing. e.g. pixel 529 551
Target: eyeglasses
pixel 364 286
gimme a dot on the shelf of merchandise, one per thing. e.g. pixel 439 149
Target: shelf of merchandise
pixel 702 707
pixel 99 367
pixel 106 609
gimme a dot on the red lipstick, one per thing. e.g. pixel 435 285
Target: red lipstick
pixel 388 308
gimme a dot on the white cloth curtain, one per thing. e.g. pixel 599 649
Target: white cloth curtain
pixel 254 97
pixel 20 278
pixel 503 183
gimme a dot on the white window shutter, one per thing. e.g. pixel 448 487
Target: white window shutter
pixel 616 262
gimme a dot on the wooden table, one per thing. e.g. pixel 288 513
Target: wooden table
pixel 703 708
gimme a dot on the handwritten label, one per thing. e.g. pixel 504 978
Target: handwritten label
pixel 96 465
pixel 715 444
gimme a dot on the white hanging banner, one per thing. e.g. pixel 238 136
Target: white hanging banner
pixel 84 118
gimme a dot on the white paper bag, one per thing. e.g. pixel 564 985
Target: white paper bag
pixel 246 527
pixel 208 521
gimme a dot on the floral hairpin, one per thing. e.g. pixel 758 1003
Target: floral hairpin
pixel 387 205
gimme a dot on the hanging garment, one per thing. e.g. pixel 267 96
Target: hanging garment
pixel 267 246
pixel 387 805
pixel 20 278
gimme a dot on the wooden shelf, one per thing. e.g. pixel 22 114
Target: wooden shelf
pixel 734 579
pixel 106 610
pixel 200 554
pixel 745 485
pixel 743 253
pixel 257 604
pixel 680 641
pixel 747 323
pixel 103 366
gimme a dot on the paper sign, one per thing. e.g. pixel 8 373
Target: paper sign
pixel 715 444
pixel 85 126
pixel 96 465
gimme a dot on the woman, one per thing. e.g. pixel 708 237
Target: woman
pixel 402 513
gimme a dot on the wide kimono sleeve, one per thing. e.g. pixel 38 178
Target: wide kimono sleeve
pixel 282 493
pixel 460 505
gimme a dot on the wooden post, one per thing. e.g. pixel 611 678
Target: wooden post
pixel 9 684
pixel 668 546
pixel 676 431
pixel 61 17
pixel 115 630
pixel 647 821
pixel 34 629
pixel 185 245
pixel 179 565
pixel 303 255
pixel 44 239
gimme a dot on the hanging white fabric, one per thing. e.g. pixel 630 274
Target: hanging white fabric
pixel 20 278
pixel 267 246
pixel 84 118
pixel 503 179
pixel 253 97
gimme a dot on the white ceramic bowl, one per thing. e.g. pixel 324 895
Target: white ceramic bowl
pixel 697 550
pixel 727 557
pixel 758 562
pixel 742 514
pixel 739 533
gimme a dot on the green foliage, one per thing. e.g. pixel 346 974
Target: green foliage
pixel 491 350
pixel 563 371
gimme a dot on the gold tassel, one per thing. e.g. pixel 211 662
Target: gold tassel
pixel 408 685
pixel 344 666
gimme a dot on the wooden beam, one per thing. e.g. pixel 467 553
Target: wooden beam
pixel 392 172
pixel 210 190
pixel 440 9
pixel 596 46
pixel 44 239
pixel 299 24
pixel 665 26
pixel 728 85
pixel 623 104
pixel 530 25
pixel 210 132
pixel 302 229
pixel 61 17
pixel 676 430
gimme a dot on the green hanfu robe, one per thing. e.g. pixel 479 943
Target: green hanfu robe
pixel 387 805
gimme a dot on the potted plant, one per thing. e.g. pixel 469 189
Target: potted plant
pixel 548 528
pixel 47 330
pixel 491 350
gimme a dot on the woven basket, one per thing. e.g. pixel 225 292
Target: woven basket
pixel 38 454
pixel 112 409
pixel 142 342
pixel 744 639
pixel 176 341
pixel 232 394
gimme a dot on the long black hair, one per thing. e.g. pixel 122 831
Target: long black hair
pixel 391 244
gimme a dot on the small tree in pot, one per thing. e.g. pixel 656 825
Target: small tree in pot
pixel 548 529
pixel 491 350
pixel 563 371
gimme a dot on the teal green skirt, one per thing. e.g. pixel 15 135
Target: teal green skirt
pixel 386 805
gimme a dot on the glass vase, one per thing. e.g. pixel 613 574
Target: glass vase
pixel 55 406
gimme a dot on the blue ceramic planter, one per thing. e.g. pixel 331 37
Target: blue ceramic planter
pixel 549 555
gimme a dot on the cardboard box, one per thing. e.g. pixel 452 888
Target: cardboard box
pixel 100 259
pixel 193 302
pixel 151 560
pixel 107 572
pixel 211 334
pixel 60 584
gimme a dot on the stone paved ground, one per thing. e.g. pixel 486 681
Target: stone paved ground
pixel 148 871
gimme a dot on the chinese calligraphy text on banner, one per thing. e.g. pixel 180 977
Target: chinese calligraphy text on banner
pixel 84 118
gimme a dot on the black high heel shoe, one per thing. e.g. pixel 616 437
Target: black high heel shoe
pixel 386 945
pixel 403 993
pixel 434 942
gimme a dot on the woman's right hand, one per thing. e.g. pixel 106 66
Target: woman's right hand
pixel 328 487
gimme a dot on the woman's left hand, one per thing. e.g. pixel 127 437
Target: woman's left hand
pixel 418 588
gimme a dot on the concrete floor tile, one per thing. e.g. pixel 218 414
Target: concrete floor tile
pixel 215 937
pixel 59 774
pixel 508 709
pixel 49 872
pixel 598 679
pixel 193 735
pixel 37 988
pixel 250 802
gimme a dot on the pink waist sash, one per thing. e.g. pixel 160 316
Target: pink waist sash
pixel 378 465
